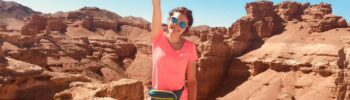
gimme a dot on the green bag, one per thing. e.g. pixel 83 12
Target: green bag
pixel 165 95
pixel 162 95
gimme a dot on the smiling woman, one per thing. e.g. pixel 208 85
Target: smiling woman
pixel 171 81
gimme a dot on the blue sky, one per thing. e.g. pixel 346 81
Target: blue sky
pixel 206 12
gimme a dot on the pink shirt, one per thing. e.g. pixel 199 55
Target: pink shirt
pixel 169 66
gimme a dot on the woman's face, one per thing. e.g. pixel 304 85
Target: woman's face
pixel 178 23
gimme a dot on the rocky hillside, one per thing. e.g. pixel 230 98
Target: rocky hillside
pixel 12 14
pixel 308 60
pixel 286 51
pixel 81 54
pixel 15 10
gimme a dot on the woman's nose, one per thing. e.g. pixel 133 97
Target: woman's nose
pixel 173 25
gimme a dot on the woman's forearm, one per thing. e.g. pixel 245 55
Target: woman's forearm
pixel 192 90
pixel 192 81
pixel 156 17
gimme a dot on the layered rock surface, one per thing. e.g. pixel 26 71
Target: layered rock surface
pixel 92 46
pixel 307 61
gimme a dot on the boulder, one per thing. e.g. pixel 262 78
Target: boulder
pixel 20 80
pixel 125 89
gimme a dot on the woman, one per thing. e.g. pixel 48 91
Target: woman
pixel 173 56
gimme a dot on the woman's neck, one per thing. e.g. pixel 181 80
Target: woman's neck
pixel 174 39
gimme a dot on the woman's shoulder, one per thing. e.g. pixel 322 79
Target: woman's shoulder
pixel 158 35
pixel 190 43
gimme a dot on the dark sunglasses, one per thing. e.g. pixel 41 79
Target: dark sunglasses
pixel 175 21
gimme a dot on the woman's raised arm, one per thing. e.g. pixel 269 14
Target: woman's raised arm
pixel 156 18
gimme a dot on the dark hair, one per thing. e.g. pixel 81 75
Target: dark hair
pixel 186 12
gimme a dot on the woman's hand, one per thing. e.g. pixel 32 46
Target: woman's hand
pixel 156 18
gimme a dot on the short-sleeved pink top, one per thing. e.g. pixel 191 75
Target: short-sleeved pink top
pixel 169 66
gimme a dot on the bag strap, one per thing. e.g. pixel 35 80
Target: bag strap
pixel 179 90
pixel 175 93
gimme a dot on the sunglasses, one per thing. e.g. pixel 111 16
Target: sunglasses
pixel 182 24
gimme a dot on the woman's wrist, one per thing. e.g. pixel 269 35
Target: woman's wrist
pixel 156 3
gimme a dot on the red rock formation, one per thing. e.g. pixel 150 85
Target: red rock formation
pixel 134 33
pixel 88 23
pixel 260 9
pixel 135 21
pixel 212 64
pixel 94 12
pixel 107 25
pixel 295 66
pixel 56 24
pixel 37 23
pixel 104 58
pixel 3 26
pixel 15 10
pixel 318 11
pixel 141 67
pixel 2 58
pixel 34 25
pixel 291 10
pixel 328 22
pixel 125 89
pixel 33 56
pixel 72 55
pixel 200 31
pixel 125 49
pixel 20 80
pixel 91 24
pixel 261 22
